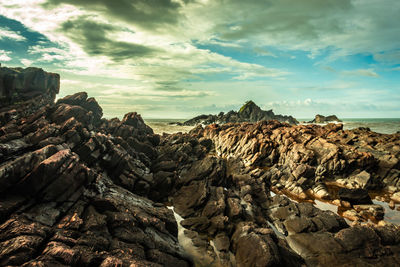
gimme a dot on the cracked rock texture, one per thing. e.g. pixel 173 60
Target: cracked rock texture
pixel 80 190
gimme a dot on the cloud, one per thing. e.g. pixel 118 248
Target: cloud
pixel 202 51
pixel 6 33
pixel 26 62
pixel 392 57
pixel 4 55
pixel 263 52
pixel 330 69
pixel 346 27
pixel 48 54
pixel 361 72
pixel 358 72
pixel 148 14
pixel 95 39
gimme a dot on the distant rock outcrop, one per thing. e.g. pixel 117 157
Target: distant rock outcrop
pixel 322 119
pixel 249 112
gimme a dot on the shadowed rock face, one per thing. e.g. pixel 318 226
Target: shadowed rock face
pixel 249 112
pixel 70 184
pixel 80 190
pixel 17 84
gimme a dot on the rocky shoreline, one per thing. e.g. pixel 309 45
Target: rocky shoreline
pixel 80 190
pixel 322 119
pixel 249 112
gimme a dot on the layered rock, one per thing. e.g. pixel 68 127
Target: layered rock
pixel 323 238
pixel 301 157
pixel 322 119
pixel 228 212
pixel 80 190
pixel 249 112
pixel 70 183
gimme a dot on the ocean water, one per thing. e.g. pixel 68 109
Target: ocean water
pixel 161 126
pixel 384 125
pixel 380 125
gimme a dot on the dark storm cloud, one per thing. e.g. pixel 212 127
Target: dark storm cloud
pixel 94 39
pixel 145 13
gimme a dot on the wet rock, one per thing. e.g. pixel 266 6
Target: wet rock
pixel 198 224
pixel 355 196
pixel 370 211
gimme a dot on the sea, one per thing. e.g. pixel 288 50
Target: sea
pixel 381 125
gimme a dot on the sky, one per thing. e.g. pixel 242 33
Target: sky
pixel 181 58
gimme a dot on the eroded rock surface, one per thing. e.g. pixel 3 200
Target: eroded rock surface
pixel 73 186
pixel 306 157
pixel 79 190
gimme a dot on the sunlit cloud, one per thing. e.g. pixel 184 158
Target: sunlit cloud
pixel 26 62
pixel 7 34
pixel 5 55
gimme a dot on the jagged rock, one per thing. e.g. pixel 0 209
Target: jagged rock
pixel 81 190
pixel 189 197
pixel 249 112
pixel 81 99
pixel 61 179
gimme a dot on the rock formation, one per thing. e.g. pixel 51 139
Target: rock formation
pixel 322 119
pixel 17 84
pixel 79 190
pixel 71 186
pixel 249 112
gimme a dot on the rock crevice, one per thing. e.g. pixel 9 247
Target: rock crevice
pixel 80 190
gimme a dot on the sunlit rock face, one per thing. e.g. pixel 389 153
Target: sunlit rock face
pixel 80 190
